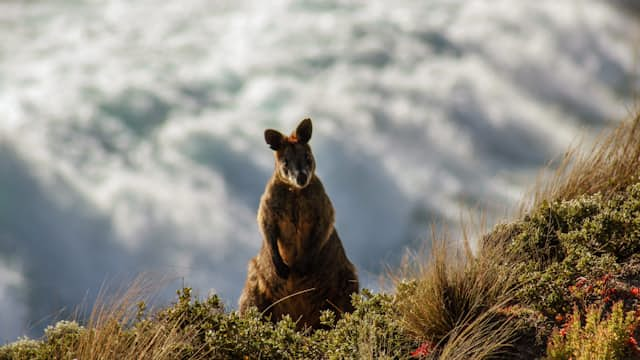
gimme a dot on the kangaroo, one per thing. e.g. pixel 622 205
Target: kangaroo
pixel 302 267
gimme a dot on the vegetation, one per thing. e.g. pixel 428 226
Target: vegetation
pixel 597 338
pixel 560 281
pixel 195 329
pixel 457 303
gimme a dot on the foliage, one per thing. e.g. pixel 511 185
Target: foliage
pixel 587 237
pixel 202 329
pixel 595 337
pixel 372 331
pixel 23 349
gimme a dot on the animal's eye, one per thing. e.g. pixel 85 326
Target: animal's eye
pixel 286 162
pixel 307 158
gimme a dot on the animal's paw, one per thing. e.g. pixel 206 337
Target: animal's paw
pixel 281 268
pixel 303 268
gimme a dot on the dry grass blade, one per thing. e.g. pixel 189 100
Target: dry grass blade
pixel 301 292
pixel 489 336
pixel 109 335
pixel 457 296
pixel 612 164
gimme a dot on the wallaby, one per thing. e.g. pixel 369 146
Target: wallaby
pixel 301 268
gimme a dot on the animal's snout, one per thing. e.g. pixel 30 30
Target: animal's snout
pixel 301 179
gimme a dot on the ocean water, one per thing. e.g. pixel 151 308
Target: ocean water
pixel 131 132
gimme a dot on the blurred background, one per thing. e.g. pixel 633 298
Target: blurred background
pixel 131 132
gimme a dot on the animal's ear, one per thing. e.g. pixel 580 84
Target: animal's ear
pixel 303 131
pixel 274 138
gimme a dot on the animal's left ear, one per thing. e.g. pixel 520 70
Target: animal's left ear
pixel 274 138
pixel 303 131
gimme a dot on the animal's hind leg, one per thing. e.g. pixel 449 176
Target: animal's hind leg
pixel 251 294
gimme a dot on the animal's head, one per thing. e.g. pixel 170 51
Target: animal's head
pixel 294 161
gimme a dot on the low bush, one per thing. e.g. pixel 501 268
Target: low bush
pixel 594 335
pixel 201 329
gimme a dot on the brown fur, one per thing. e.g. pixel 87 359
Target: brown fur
pixel 301 251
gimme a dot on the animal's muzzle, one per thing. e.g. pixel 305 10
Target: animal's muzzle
pixel 301 179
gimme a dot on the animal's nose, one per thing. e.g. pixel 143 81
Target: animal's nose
pixel 301 179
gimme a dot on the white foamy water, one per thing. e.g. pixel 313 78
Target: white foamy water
pixel 131 131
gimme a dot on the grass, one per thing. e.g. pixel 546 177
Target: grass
pixel 116 329
pixel 560 280
pixel 608 168
pixel 455 301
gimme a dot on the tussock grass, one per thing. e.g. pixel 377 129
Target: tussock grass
pixel 489 336
pixel 608 167
pixel 455 301
pixel 116 328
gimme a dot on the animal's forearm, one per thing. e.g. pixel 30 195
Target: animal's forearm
pixel 281 268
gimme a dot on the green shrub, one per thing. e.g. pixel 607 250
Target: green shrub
pixel 372 331
pixel 597 337
pixel 23 349
pixel 562 241
pixel 203 329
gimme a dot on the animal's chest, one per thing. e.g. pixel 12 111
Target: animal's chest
pixel 296 218
pixel 295 222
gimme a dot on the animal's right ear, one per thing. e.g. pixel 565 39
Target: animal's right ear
pixel 303 132
pixel 274 138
